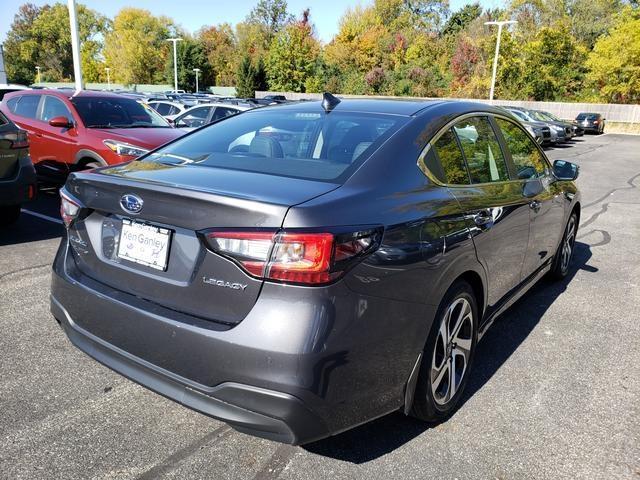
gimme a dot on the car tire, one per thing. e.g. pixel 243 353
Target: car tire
pixel 9 215
pixel 564 253
pixel 434 401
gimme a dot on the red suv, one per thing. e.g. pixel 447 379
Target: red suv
pixel 71 130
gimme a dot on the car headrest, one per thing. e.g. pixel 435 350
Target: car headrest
pixel 266 147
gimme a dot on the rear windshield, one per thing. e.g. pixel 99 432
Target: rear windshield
pixel 587 116
pixel 107 112
pixel 308 145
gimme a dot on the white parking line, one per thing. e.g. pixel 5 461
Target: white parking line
pixel 43 217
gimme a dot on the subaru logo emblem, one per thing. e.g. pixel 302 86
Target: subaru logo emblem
pixel 131 203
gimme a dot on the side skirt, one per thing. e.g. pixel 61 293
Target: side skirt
pixel 514 297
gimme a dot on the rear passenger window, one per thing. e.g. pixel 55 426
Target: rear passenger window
pixel 27 106
pixel 481 149
pixel 449 165
pixel 12 103
pixel 525 154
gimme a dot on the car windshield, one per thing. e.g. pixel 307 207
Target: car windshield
pixel 541 117
pixel 552 116
pixel 308 145
pixel 108 112
pixel 587 116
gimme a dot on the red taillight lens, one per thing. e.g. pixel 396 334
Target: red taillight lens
pixel 16 139
pixel 293 257
pixel 302 258
pixel 68 209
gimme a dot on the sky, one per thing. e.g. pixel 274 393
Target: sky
pixel 193 14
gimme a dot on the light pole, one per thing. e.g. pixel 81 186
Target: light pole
pixel 175 62
pixel 197 70
pixel 495 58
pixel 108 70
pixel 39 79
pixel 75 45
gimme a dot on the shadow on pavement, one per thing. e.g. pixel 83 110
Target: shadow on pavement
pixel 384 435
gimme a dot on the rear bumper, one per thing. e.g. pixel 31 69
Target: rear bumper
pixel 257 411
pixel 15 190
pixel 305 363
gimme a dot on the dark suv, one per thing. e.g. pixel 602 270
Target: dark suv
pixel 300 269
pixel 17 175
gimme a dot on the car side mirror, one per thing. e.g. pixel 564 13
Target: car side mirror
pixel 564 170
pixel 61 122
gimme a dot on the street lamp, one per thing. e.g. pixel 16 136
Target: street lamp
pixel 108 70
pixel 75 45
pixel 39 79
pixel 495 58
pixel 175 62
pixel 197 70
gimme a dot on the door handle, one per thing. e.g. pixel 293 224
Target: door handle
pixel 483 218
pixel 535 205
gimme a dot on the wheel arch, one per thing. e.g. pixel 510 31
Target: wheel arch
pixel 84 156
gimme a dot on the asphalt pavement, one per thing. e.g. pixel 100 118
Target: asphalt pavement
pixel 554 393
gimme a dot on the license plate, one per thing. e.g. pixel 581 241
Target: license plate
pixel 144 244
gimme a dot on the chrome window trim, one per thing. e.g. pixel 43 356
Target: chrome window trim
pixel 425 170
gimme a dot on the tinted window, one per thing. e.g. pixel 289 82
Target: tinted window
pixel 196 117
pixel 27 106
pixel 525 154
pixel 162 108
pixel 3 120
pixel 109 112
pixel 12 104
pixel 451 162
pixel 54 107
pixel 222 112
pixel 173 110
pixel 286 143
pixel 481 150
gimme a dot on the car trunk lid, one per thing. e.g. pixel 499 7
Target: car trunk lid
pixel 178 203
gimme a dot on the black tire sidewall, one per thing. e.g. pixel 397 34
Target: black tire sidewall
pixel 556 270
pixel 425 406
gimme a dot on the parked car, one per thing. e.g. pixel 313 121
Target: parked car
pixel 577 130
pixel 17 175
pixel 297 292
pixel 591 122
pixel 168 110
pixel 559 132
pixel 550 134
pixel 9 87
pixel 567 127
pixel 200 115
pixel 70 131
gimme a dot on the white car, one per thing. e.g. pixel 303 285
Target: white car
pixel 10 87
pixel 169 110
pixel 205 114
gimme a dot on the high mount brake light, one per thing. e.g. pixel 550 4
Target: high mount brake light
pixel 68 209
pixel 307 258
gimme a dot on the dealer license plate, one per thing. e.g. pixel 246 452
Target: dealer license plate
pixel 144 244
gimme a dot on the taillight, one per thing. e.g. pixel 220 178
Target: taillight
pixel 17 139
pixel 68 209
pixel 308 258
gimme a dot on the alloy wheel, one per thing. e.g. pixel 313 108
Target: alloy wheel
pixel 452 352
pixel 567 245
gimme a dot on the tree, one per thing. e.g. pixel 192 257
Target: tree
pixel 42 37
pixel 614 63
pixel 190 55
pixel 220 47
pixel 293 56
pixel 136 49
pixel 250 78
pixel 462 18
pixel 271 15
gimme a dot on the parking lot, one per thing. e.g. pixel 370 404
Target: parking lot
pixel 553 394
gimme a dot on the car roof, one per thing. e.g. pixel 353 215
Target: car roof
pixel 67 93
pixel 363 105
